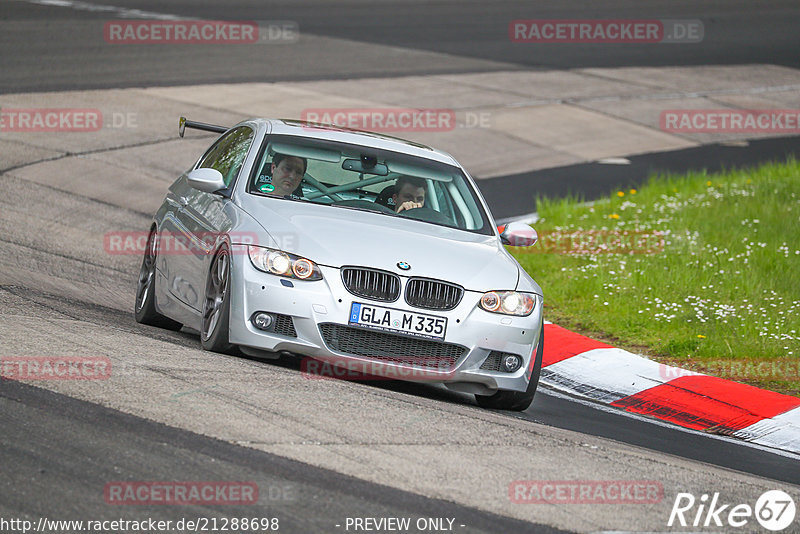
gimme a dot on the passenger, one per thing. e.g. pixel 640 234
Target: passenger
pixel 287 172
pixel 409 193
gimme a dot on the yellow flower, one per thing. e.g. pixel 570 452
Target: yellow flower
pixel 620 193
pixel 633 191
pixel 701 336
pixel 708 183
pixel 749 181
pixel 674 189
pixel 613 216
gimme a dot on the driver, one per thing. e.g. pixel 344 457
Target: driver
pixel 287 172
pixel 409 193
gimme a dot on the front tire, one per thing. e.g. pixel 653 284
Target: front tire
pixel 217 305
pixel 516 401
pixel 145 307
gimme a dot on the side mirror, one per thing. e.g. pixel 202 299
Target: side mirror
pixel 517 234
pixel 208 180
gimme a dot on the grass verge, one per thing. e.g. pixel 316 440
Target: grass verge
pixel 699 271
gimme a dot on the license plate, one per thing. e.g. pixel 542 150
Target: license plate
pixel 397 321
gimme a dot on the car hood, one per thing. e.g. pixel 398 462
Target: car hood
pixel 337 236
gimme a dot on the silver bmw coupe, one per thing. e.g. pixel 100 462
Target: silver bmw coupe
pixel 357 250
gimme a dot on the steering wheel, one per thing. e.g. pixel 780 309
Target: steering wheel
pixel 363 204
pixel 427 214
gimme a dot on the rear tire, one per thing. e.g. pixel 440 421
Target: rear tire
pixel 145 307
pixel 516 401
pixel 217 305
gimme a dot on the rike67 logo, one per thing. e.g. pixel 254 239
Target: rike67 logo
pixel 774 510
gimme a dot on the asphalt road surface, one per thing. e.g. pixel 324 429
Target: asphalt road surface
pixel 46 47
pixel 59 453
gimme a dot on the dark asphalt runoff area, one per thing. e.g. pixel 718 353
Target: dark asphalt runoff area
pixel 515 195
pixel 66 45
pixel 58 453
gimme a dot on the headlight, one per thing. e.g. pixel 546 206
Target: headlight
pixel 508 302
pixel 283 264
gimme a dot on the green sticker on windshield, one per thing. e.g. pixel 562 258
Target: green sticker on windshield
pixel 266 188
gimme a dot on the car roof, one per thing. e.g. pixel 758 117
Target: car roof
pixel 356 137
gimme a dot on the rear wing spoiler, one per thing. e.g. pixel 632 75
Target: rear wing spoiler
pixel 185 123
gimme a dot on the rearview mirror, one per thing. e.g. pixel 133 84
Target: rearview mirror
pixel 208 180
pixel 366 167
pixel 517 234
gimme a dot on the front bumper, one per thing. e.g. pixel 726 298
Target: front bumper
pixel 312 304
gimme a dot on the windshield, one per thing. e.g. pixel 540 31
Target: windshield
pixel 355 177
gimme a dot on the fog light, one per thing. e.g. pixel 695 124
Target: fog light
pixel 511 362
pixel 262 320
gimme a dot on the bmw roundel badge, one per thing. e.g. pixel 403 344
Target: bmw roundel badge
pixel 403 265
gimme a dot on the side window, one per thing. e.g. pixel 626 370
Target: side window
pixel 227 156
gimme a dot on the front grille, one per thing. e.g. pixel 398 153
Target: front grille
pixel 390 347
pixel 371 283
pixel 284 325
pixel 494 360
pixel 433 294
